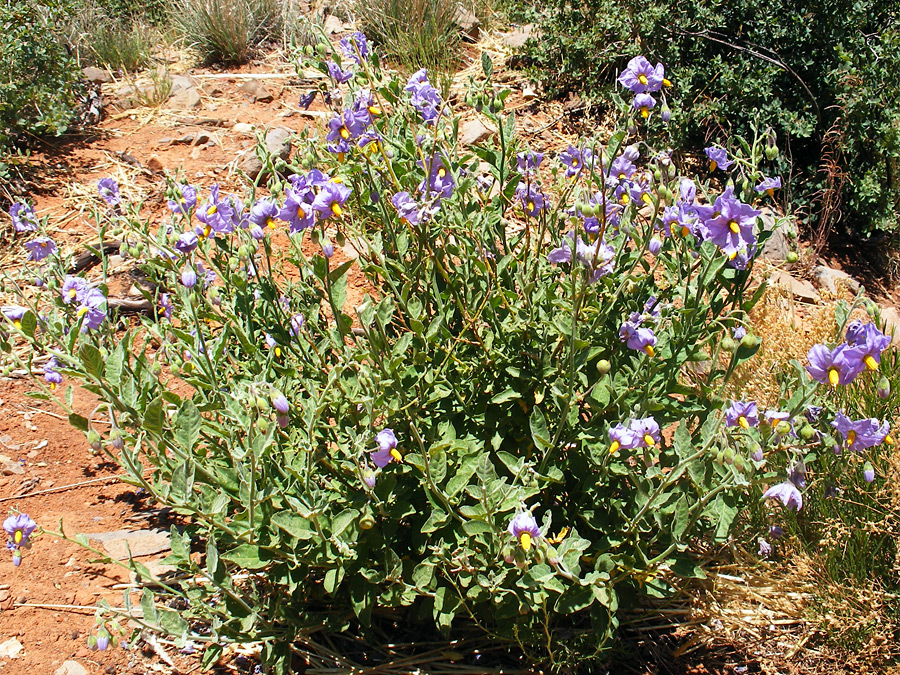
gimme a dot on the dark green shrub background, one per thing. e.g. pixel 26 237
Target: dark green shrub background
pixel 731 63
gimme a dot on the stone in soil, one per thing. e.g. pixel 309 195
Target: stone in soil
pixel 518 37
pixel 830 279
pixel 9 466
pixel 333 25
pixel 140 542
pixel 11 649
pixel 474 131
pixel 71 668
pixel 257 91
pixel 96 75
pixel 185 99
pixel 800 288
pixel 278 144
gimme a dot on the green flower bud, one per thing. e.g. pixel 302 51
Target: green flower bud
pixel 807 432
pixel 94 440
pixel 749 341
pixel 884 388
pixel 366 521
pixel 603 366
pixel 728 456
pixel 792 257
pixel 771 152
pixel 728 344
pixel 783 428
pixel 262 403
pixel 263 425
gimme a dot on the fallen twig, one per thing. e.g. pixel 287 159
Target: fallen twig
pixel 62 488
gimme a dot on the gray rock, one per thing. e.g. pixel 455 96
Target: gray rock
pixel 333 25
pixel 185 99
pixel 9 466
pixel 201 138
pixel 139 542
pixel 467 22
pixel 831 280
pixel 255 90
pixel 181 83
pixel 518 37
pixel 801 289
pixel 474 131
pixel 778 246
pixel 278 144
pixel 891 319
pixel 71 668
pixel 96 75
pixel 11 649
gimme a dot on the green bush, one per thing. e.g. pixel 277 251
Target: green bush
pixel 804 68
pixel 541 350
pixel 40 79
pixel 118 46
pixel 226 31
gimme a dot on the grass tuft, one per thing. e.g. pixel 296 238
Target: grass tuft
pixel 226 31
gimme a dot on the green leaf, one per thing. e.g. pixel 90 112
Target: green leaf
pixel 473 527
pixel 506 395
pixel 487 65
pixel 247 557
pixel 148 607
pixel 154 417
pixel 295 525
pixel 92 360
pixel 114 365
pixel 187 425
pixel 539 434
pixel 78 421
pixel 29 323
pixel 172 623
pixel 575 598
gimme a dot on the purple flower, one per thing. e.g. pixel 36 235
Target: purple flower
pixel 185 198
pixel 19 529
pixel 166 305
pixel 644 103
pixel 597 257
pixel 338 75
pixel 51 375
pixel 765 548
pixel 622 168
pixel 280 403
pixel 730 225
pixel 355 47
pixel 331 197
pixel 868 472
pixel 787 493
pixel 622 437
pixel 387 449
pixel 532 199
pixel 14 313
pixel 189 276
pixel 297 322
pixel 640 77
pixel 307 99
pixel 655 246
pixel 861 434
pixel 297 212
pixel 407 207
pixel 718 157
pixel 102 640
pixel 92 309
pixel 264 212
pixel 23 217
pixel 834 366
pixel 867 342
pixel 346 128
pixel 109 190
pixel 424 97
pixel 744 414
pixel 40 248
pixel 368 477
pixel 440 181
pixel 524 528
pixel 575 160
pixel 216 214
pixel 775 532
pixel 639 339
pixel 72 289
pixel 528 162
pixel 646 431
pixel 768 185
pixel 187 242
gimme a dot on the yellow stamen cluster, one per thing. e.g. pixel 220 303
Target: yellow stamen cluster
pixel 336 209
pixel 870 362
pixel 733 226
pixel 642 79
pixel 851 437
pixel 614 447
pixel 212 210
pixel 18 536
pixel 648 350
pixel 395 453
pixel 833 376
pixel 649 440
pixel 742 421
pixel 525 540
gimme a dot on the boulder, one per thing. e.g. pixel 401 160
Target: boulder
pixel 474 131
pixel 467 22
pixel 139 542
pixel 71 668
pixel 257 91
pixel 830 280
pixel 891 319
pixel 800 289
pixel 778 246
pixel 333 25
pixel 278 144
pixel 185 99
pixel 181 83
pixel 519 36
pixel 96 75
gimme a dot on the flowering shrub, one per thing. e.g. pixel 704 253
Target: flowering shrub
pixel 519 424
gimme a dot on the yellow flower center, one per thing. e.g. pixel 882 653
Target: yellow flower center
pixel 851 437
pixel 733 226
pixel 17 323
pixel 770 192
pixel 649 440
pixel 278 352
pixel 336 209
pixel 374 110
pixel 270 222
pixel 441 172
pixel 395 453
pixel 530 207
pixel 648 350
pixel 833 376
pixel 667 83
pixel 645 112
pixel 345 133
pixel 712 165
pixel 212 210
pixel 82 311
pixel 525 539
pixel 743 422
pixel 614 447
pixel 642 79
pixel 870 362
pixel 646 198
pixel 17 537
pixel 685 231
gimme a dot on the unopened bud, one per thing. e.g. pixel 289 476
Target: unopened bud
pixel 884 388
pixel 728 344
pixel 115 439
pixel 807 432
pixel 94 439
pixel 792 257
pixel 603 366
pixel 749 341
pixel 263 425
pixel 783 428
